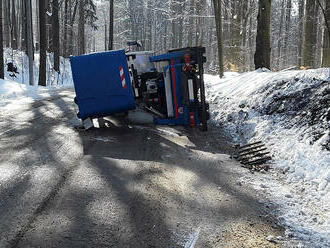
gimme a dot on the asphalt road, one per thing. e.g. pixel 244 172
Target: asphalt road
pixel 121 185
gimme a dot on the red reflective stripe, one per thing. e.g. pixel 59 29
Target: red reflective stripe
pixel 174 90
pixel 122 77
pixel 192 119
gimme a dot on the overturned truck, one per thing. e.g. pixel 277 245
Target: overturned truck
pixel 170 86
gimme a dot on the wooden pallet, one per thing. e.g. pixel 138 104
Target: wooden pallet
pixel 253 156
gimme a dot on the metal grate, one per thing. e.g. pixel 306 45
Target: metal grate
pixel 253 156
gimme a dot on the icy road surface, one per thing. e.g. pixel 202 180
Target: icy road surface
pixel 121 186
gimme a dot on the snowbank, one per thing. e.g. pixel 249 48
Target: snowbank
pixel 290 112
pixel 15 91
pixel 11 91
pixel 20 61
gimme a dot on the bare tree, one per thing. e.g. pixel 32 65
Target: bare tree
pixel 2 75
pixel 14 39
pixel 56 35
pixel 29 40
pixel 65 24
pixel 81 27
pixel 43 43
pixel 111 25
pixel 287 30
pixel 326 33
pixel 218 21
pixel 6 22
pixel 300 30
pixel 262 54
pixel 309 34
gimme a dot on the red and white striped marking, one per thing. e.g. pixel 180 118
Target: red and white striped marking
pixel 122 77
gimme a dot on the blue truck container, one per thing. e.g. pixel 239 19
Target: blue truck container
pixel 102 84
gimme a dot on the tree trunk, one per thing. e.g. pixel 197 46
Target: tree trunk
pixel 29 33
pixel 279 42
pixel 326 36
pixel 43 43
pixel 287 31
pixel 308 44
pixel 56 35
pixel 6 22
pixel 111 25
pixel 2 74
pixel 218 23
pixel 14 39
pixel 236 36
pixel 191 22
pixel 38 27
pixel 173 22
pixel 105 37
pixel 180 24
pixel 23 26
pixel 49 26
pixel 300 31
pixel 262 54
pixel 65 31
pixel 73 17
pixel 81 28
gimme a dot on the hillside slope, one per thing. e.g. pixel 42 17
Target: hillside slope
pixel 290 112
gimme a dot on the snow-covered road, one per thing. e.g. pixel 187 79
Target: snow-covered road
pixel 121 186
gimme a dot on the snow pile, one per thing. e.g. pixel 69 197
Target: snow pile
pixel 11 92
pixel 290 112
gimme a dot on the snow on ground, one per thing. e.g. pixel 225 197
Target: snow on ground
pixel 20 60
pixel 12 92
pixel 290 112
pixel 15 89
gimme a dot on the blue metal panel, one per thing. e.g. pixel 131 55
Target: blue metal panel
pixel 166 56
pixel 98 84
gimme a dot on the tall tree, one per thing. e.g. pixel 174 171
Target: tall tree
pixel 326 34
pixel 279 42
pixel 49 25
pixel 300 29
pixel 71 31
pixel 81 27
pixel 65 23
pixel 29 34
pixel 23 26
pixel 6 22
pixel 236 35
pixel 38 27
pixel 2 75
pixel 218 23
pixel 191 22
pixel 309 34
pixel 287 30
pixel 56 35
pixel 111 24
pixel 262 54
pixel 14 40
pixel 43 43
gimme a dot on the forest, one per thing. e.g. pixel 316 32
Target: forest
pixel 173 123
pixel 238 35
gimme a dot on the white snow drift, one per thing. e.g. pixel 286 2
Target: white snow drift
pixel 290 112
